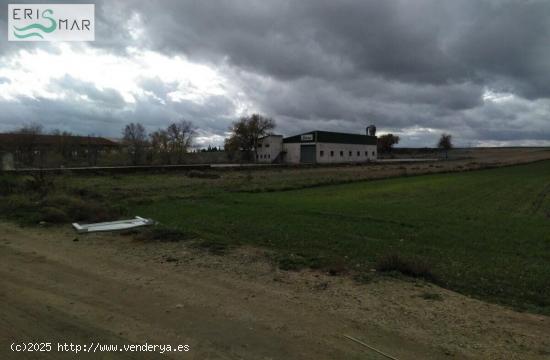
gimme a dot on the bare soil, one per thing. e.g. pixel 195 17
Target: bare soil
pixel 116 290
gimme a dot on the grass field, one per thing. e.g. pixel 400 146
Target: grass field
pixel 483 233
pixel 486 233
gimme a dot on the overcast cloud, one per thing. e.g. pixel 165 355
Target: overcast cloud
pixel 479 69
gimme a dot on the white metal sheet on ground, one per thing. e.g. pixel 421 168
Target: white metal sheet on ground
pixel 113 225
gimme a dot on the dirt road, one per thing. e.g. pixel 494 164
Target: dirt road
pixel 112 289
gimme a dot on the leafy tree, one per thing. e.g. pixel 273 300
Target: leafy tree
pixel 245 133
pixel 386 142
pixel 445 143
pixel 135 138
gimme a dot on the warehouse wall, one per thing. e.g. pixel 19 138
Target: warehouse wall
pixel 292 155
pixel 359 153
pixel 343 153
pixel 269 148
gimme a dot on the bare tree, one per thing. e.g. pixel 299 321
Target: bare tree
pixel 65 145
pixel 29 147
pixel 245 133
pixel 135 137
pixel 159 145
pixel 180 138
pixel 30 129
pixel 445 143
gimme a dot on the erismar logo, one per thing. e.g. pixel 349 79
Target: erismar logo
pixel 35 28
pixel 51 22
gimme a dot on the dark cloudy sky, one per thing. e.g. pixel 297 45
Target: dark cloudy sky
pixel 479 69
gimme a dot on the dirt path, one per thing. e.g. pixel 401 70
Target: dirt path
pixel 113 290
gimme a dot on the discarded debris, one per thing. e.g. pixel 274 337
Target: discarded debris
pixel 370 347
pixel 113 225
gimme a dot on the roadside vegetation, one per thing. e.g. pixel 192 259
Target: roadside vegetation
pixel 482 233
pixel 40 199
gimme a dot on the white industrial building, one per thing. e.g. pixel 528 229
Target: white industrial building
pixel 318 147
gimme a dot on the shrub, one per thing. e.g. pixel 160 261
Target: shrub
pixel 19 206
pixel 18 202
pixel 10 184
pixel 54 215
pixel 413 266
pixel 39 182
pixel 78 209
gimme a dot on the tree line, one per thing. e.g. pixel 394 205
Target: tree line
pixel 62 147
pixel 167 146
pixel 385 143
pixel 170 145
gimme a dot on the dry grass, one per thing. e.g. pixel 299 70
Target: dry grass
pixel 406 265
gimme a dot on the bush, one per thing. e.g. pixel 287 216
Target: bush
pixel 54 215
pixel 39 182
pixel 10 184
pixel 78 209
pixel 414 267
pixel 19 201
pixel 34 198
pixel 18 206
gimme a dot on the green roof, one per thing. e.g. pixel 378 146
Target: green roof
pixel 331 137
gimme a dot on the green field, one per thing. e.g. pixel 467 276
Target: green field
pixel 487 233
pixel 484 233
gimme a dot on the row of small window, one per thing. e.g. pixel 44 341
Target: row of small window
pixel 322 153
pixel 264 156
pixel 260 145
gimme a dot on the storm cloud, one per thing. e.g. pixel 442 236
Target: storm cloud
pixel 479 69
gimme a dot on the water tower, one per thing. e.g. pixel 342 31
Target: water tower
pixel 371 130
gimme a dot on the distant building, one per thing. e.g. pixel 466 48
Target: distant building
pixel 33 149
pixel 317 147
pixel 6 161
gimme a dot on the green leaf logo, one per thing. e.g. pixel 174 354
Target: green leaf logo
pixel 22 33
